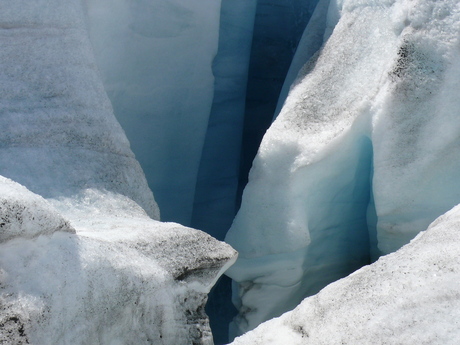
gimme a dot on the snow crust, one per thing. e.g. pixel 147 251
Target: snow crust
pixel 26 215
pixel 408 297
pixel 363 156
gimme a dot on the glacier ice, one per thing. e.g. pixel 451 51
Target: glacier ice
pixel 81 259
pixel 407 297
pixel 362 157
pixel 55 112
pixel 155 58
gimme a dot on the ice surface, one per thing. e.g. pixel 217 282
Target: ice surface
pixel 81 259
pixel 312 39
pixel 26 215
pixel 55 112
pixel 362 157
pixel 156 59
pixel 408 297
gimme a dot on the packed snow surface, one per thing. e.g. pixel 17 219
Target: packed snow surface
pixel 81 259
pixel 363 156
pixel 408 297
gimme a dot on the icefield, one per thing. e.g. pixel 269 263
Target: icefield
pixel 129 131
pixel 363 155
pixel 82 261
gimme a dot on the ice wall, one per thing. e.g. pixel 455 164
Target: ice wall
pixel 55 112
pixel 81 259
pixel 156 59
pixel 216 187
pixel 408 297
pixel 278 26
pixel 361 158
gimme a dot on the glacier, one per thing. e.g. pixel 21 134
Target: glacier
pixel 83 257
pixel 103 101
pixel 362 157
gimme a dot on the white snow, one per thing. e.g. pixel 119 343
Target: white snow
pixel 363 156
pixel 408 297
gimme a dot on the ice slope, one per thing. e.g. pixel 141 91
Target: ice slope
pixel 363 156
pixel 407 297
pixel 156 58
pixel 81 260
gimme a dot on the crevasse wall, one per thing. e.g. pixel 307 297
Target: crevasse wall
pixel 361 158
pixel 155 59
pixel 278 27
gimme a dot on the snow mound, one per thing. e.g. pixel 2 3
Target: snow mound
pixel 408 297
pixel 25 214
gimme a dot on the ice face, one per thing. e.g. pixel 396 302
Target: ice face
pixel 155 58
pixel 361 158
pixel 410 296
pixel 217 181
pixel 55 112
pixel 278 27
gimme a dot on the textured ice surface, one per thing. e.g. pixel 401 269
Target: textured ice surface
pixel 408 297
pixel 313 37
pixel 156 59
pixel 363 156
pixel 55 112
pixel 81 261
pixel 26 215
